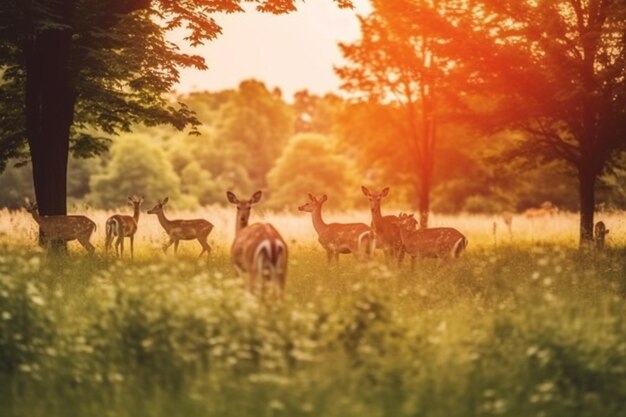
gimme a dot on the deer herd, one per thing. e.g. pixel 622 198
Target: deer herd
pixel 260 254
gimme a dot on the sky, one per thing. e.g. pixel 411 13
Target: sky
pixel 292 52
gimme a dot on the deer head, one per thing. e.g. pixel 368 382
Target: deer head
pixel 313 203
pixel 135 201
pixel 243 207
pixel 407 222
pixel 30 206
pixel 375 197
pixel 159 206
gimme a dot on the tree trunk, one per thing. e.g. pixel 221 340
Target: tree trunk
pixel 587 182
pixel 50 99
pixel 424 197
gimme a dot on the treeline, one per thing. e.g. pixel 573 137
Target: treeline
pixel 254 138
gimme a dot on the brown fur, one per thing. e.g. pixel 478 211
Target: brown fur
pixel 259 252
pixel 336 238
pixel 438 242
pixel 178 230
pixel 65 228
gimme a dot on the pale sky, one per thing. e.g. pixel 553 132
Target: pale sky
pixel 292 52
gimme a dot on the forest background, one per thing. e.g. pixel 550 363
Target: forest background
pixel 253 138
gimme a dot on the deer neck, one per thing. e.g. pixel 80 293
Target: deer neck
pixel 405 235
pixel 318 222
pixel 240 224
pixel 35 216
pixel 164 221
pixel 377 217
pixel 136 214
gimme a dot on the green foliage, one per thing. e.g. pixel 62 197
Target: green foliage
pixel 15 183
pixel 316 114
pixel 136 167
pixel 513 331
pixel 259 122
pixel 311 164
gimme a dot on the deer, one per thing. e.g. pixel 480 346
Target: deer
pixel 436 242
pixel 385 228
pixel 600 232
pixel 178 230
pixel 336 238
pixel 258 250
pixel 123 226
pixel 545 209
pixel 63 227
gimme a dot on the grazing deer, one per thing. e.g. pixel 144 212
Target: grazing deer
pixel 123 226
pixel 600 232
pixel 385 228
pixel 64 228
pixel 336 238
pixel 178 230
pixel 546 209
pixel 437 242
pixel 258 250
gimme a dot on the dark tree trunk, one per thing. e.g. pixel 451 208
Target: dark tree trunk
pixel 587 180
pixel 50 99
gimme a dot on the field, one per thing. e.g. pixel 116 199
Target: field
pixel 521 325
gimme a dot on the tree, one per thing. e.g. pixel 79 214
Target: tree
pixel 310 163
pixel 316 114
pixel 397 62
pixel 137 167
pixel 557 69
pixel 72 64
pixel 258 123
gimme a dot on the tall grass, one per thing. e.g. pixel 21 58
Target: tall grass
pixel 523 326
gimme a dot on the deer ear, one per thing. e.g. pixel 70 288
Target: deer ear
pixel 26 201
pixel 384 192
pixel 165 200
pixel 365 191
pixel 607 231
pixel 232 198
pixel 256 197
pixel 323 198
pixel 312 197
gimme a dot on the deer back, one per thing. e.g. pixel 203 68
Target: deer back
pixel 345 237
pixel 126 224
pixel 189 229
pixel 438 242
pixel 258 246
pixel 66 227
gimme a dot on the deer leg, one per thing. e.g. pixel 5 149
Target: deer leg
pixel 167 245
pixel 117 246
pixel 84 241
pixel 205 245
pixel 176 242
pixel 107 243
pixel 329 256
pixel 413 263
pixel 400 256
pixel 122 246
pixel 132 241
pixel 337 258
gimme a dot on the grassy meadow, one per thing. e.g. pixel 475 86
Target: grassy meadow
pixel 521 325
